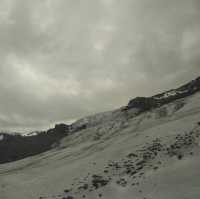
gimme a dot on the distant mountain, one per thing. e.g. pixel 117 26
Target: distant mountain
pixel 15 146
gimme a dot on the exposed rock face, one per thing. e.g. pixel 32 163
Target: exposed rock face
pixel 142 103
pixel 62 128
pixel 147 103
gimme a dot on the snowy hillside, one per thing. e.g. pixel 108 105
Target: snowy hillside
pixel 147 150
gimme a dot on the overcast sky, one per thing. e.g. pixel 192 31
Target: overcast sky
pixel 64 59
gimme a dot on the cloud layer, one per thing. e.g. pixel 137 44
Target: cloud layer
pixel 61 60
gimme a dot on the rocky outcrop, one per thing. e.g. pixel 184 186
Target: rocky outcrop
pixel 147 103
pixel 60 129
pixel 142 103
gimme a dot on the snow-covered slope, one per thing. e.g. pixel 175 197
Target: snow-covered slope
pixel 122 154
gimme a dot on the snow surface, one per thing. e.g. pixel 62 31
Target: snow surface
pixel 167 94
pixel 1 137
pixel 171 93
pixel 107 148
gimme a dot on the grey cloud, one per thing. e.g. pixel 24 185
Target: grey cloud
pixel 62 60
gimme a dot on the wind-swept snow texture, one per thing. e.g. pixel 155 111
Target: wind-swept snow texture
pixel 120 155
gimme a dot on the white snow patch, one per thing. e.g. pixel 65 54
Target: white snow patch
pixel 1 137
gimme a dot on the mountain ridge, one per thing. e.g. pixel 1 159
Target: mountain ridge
pixel 147 103
pixel 16 147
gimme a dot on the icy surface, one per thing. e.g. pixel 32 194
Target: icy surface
pixel 119 156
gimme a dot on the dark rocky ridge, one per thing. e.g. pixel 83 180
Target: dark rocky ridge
pixel 148 103
pixel 142 103
pixel 16 147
